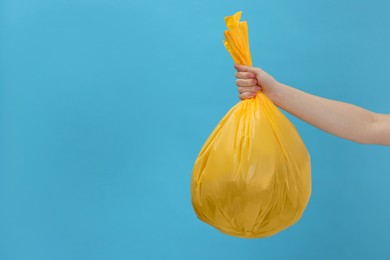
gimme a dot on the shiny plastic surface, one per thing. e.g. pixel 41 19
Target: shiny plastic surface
pixel 252 177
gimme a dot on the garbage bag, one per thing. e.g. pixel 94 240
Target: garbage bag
pixel 252 177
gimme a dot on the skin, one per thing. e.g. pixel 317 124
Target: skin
pixel 337 118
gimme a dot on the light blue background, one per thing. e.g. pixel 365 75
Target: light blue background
pixel 104 106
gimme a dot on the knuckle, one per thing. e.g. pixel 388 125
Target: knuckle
pixel 249 82
pixel 246 94
pixel 244 83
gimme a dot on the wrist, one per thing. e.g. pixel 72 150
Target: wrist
pixel 275 94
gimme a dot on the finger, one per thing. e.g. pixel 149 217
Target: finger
pixel 246 82
pixel 246 95
pixel 252 89
pixel 244 68
pixel 244 75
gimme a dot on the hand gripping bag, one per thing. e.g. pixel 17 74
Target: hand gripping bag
pixel 252 177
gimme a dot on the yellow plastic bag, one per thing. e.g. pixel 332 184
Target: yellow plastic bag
pixel 252 177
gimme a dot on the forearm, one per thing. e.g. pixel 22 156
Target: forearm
pixel 337 118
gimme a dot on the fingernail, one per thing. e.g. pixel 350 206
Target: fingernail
pixel 258 88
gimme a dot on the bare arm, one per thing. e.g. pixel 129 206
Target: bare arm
pixel 337 118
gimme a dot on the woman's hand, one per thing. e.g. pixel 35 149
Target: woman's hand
pixel 251 80
pixel 338 118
